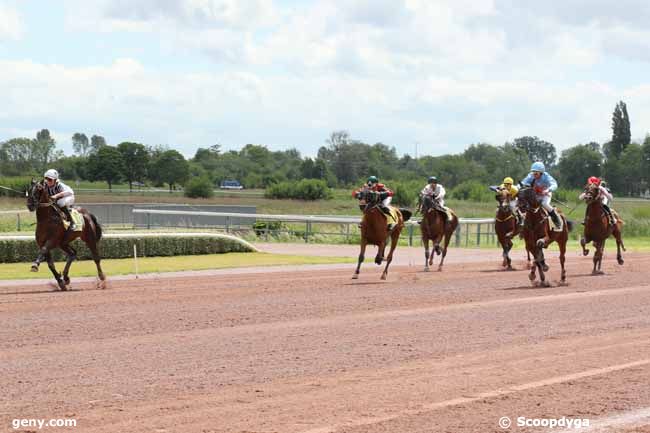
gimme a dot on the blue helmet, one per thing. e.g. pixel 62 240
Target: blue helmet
pixel 538 166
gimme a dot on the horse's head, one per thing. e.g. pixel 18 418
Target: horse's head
pixel 427 203
pixel 502 196
pixel 35 195
pixel 368 199
pixel 527 199
pixel 592 192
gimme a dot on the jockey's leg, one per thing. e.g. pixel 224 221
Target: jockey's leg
pixel 386 209
pixel 64 204
pixel 515 211
pixel 546 203
pixel 609 213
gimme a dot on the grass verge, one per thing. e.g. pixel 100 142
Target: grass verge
pixel 16 271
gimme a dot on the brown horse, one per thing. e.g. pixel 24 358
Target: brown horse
pixel 538 234
pixel 434 226
pixel 598 228
pixel 50 234
pixel 374 229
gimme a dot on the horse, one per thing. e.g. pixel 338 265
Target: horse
pixel 434 226
pixel 598 228
pixel 374 229
pixel 505 226
pixel 538 235
pixel 51 234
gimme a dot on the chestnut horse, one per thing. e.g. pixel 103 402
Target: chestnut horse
pixel 598 228
pixel 374 229
pixel 538 235
pixel 434 227
pixel 50 234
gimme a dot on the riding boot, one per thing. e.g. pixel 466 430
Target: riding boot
pixel 66 211
pixel 610 215
pixel 555 218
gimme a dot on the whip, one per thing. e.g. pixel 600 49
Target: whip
pixel 11 189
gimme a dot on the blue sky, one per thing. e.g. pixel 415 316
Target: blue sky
pixel 444 74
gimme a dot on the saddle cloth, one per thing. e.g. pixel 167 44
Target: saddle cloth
pixel 78 220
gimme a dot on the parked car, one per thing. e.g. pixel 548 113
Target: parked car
pixel 231 184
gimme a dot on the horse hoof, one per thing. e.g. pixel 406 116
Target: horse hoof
pixel 355 276
pixel 439 268
pixel 585 253
pixel 531 277
pixel 426 269
pixel 598 272
pixel 62 286
pixel 510 268
pixel 545 268
pixel 383 276
pixel 563 283
pixel 34 268
pixel 620 261
pixel 545 284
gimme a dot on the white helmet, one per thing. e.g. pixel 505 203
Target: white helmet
pixel 52 174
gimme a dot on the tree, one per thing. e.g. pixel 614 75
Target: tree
pixel 621 135
pixel 136 158
pixel 96 143
pixel 170 167
pixel 106 164
pixel 43 152
pixel 80 144
pixel 577 164
pixel 537 149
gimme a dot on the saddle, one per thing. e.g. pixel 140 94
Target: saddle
pixel 550 221
pixel 76 217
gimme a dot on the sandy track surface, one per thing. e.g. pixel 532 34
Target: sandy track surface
pixel 312 351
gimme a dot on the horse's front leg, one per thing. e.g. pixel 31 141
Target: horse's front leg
pixel 541 266
pixel 42 256
pixel 361 257
pixel 381 248
pixel 583 243
pixel 394 239
pixel 533 268
pixel 444 250
pixel 619 246
pixel 57 276
pixel 426 255
pixel 506 252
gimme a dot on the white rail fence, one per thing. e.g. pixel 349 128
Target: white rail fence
pixel 473 231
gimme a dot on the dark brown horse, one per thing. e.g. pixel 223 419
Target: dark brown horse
pixel 435 227
pixel 538 234
pixel 50 234
pixel 374 229
pixel 598 228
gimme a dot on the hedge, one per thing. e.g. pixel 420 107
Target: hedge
pixel 24 250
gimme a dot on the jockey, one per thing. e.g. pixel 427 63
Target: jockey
pixel 544 185
pixel 437 193
pixel 512 191
pixel 435 190
pixel 386 196
pixel 605 197
pixel 61 193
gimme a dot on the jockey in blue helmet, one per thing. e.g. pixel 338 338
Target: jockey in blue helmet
pixel 544 184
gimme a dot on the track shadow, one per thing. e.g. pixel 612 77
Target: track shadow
pixel 366 283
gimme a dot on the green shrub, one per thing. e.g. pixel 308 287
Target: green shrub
pixel 472 190
pixel 262 227
pixel 406 193
pixel 306 189
pixel 14 251
pixel 199 187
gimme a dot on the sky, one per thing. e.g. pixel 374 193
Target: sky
pixel 436 74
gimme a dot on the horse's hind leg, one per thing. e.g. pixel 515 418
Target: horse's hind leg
pixel 57 276
pixel 562 247
pixel 583 244
pixel 444 250
pixel 619 246
pixel 381 248
pixel 71 256
pixel 361 258
pixel 100 273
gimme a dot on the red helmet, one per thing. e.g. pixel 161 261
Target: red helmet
pixel 594 180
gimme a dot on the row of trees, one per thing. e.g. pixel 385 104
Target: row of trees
pixel 341 162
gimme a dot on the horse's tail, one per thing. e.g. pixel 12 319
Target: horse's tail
pixel 98 227
pixel 406 214
pixel 569 225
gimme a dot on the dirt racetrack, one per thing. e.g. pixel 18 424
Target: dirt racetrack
pixel 308 350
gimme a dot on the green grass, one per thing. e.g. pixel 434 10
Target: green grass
pixel 13 271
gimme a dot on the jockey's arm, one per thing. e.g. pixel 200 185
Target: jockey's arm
pixel 441 193
pixel 66 192
pixel 606 193
pixel 552 184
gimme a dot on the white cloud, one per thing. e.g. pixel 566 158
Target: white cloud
pixel 11 25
